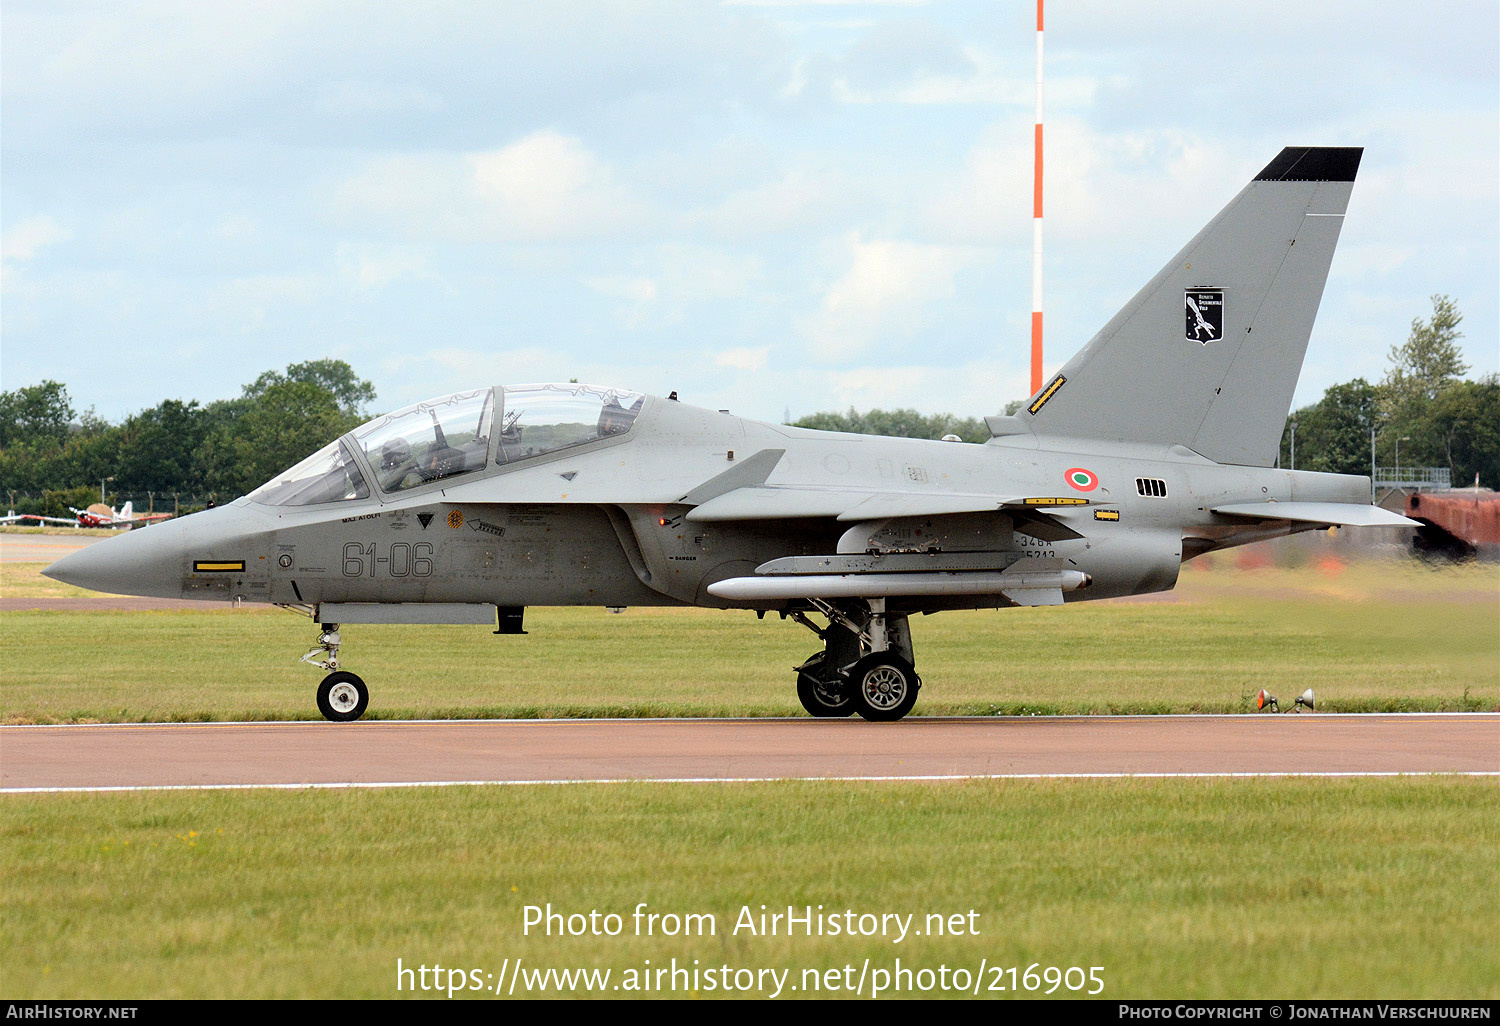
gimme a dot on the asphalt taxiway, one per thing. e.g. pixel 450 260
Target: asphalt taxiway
pixel 315 754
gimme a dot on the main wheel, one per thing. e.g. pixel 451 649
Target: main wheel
pixel 342 697
pixel 883 687
pixel 822 697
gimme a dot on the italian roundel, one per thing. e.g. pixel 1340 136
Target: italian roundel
pixel 1083 480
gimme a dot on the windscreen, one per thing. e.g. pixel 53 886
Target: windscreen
pixel 328 475
pixel 430 441
pixel 539 419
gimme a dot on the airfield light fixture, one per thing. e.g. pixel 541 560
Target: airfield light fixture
pixel 1265 700
pixel 1304 700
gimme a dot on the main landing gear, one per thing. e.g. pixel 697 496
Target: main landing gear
pixel 866 665
pixel 342 696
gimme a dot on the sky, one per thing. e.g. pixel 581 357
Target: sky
pixel 770 207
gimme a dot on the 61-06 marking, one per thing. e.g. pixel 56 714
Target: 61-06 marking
pixel 406 559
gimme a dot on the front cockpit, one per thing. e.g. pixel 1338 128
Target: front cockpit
pixel 455 436
pixel 430 441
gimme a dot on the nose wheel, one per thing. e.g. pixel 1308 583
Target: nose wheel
pixel 342 697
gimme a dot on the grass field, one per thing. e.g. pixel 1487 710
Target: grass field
pixel 1366 637
pixel 1292 888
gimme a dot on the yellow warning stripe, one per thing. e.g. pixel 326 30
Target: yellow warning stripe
pixel 236 566
pixel 1106 514
pixel 1041 400
pixel 1056 501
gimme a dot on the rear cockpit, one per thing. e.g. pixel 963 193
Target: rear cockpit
pixel 540 419
pixel 453 437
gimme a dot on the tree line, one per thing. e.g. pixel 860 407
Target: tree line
pixel 52 457
pixel 1424 409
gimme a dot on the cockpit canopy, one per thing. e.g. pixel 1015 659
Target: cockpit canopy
pixel 429 441
pixel 539 419
pixel 328 475
pixel 453 436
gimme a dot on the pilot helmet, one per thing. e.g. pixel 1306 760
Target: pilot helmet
pixel 394 452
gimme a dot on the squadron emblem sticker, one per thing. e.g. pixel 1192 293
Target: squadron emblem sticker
pixel 1083 480
pixel 1204 309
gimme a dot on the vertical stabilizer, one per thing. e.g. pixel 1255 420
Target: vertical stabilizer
pixel 1207 355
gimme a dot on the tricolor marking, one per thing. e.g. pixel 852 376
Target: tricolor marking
pixel 1083 479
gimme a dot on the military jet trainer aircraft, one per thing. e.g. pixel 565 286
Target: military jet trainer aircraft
pixel 1152 445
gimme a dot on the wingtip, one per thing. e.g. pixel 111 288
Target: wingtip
pixel 1313 164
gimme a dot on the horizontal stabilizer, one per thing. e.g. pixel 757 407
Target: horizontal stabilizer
pixel 1344 514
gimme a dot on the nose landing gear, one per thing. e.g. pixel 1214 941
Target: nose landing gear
pixel 342 696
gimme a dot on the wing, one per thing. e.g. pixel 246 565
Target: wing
pixel 1343 514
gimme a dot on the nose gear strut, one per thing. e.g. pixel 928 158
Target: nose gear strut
pixel 328 641
pixel 342 696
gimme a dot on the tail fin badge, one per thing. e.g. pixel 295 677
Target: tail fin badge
pixel 1204 309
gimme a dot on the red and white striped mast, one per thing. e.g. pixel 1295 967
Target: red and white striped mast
pixel 1036 223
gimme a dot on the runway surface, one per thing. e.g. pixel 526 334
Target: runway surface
pixel 529 751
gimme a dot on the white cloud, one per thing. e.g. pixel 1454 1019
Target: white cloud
pixel 884 293
pixel 546 187
pixel 744 358
pixel 678 276
pixel 30 236
pixel 370 266
pixel 794 202
pixel 632 290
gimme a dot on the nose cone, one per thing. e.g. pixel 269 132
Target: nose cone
pixel 157 561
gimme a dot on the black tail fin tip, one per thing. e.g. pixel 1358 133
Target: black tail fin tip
pixel 1313 164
